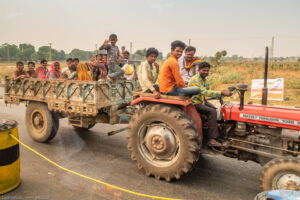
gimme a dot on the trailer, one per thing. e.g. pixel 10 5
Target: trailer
pixel 84 103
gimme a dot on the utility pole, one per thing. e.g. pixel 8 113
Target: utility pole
pixel 189 42
pixel 50 57
pixel 272 49
pixel 130 48
pixel 8 57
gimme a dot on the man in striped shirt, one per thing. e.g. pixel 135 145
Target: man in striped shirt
pixel 204 107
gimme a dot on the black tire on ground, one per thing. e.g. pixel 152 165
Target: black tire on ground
pixel 280 173
pixel 83 129
pixel 154 151
pixel 41 124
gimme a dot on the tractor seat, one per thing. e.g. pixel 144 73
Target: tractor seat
pixel 146 94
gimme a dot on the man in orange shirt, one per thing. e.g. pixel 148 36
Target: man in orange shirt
pixel 170 80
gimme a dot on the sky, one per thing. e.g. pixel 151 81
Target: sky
pixel 242 27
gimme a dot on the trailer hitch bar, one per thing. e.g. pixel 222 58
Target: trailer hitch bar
pixel 117 131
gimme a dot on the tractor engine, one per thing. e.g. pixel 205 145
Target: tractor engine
pixel 260 133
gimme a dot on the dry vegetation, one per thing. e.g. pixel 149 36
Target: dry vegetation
pixel 232 73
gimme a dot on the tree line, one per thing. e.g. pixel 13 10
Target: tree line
pixel 27 52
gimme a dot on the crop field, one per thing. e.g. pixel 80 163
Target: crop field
pixel 231 73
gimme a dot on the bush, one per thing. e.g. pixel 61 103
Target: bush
pixel 232 77
pixel 212 80
pixel 222 70
pixel 251 70
pixel 294 83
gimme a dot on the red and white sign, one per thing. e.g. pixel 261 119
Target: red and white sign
pixel 275 89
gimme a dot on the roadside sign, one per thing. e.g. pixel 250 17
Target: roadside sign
pixel 275 89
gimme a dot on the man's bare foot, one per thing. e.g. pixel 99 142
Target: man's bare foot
pixel 214 143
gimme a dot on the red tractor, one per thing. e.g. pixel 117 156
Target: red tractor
pixel 167 135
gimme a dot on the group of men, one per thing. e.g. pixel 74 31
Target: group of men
pixel 182 75
pixel 104 66
pixel 42 71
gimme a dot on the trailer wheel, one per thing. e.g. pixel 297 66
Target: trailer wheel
pixel 281 173
pixel 164 141
pixel 42 125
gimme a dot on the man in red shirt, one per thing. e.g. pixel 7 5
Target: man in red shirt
pixel 42 70
pixel 170 80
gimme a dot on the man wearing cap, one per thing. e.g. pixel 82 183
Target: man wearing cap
pixel 202 106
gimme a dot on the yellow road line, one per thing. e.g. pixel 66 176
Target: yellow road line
pixel 89 178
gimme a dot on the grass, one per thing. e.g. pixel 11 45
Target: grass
pixel 245 71
pixel 232 73
pixel 232 77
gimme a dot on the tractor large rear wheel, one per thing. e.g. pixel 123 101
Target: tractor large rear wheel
pixel 164 141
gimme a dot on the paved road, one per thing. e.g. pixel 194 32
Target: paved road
pixel 106 158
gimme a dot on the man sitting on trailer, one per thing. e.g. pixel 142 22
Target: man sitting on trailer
pixel 148 73
pixel 170 80
pixel 19 73
pixel 202 106
pixel 42 70
pixel 188 64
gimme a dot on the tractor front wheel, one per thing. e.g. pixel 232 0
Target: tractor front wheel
pixel 164 141
pixel 281 173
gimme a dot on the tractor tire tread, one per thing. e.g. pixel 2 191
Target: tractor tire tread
pixel 190 133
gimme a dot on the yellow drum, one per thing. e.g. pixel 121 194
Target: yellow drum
pixel 9 157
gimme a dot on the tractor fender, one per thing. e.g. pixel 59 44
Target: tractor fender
pixel 191 111
pixel 161 100
pixel 189 108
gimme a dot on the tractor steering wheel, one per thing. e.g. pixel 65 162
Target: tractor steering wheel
pixel 231 89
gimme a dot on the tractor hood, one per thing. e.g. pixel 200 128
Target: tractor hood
pixel 285 117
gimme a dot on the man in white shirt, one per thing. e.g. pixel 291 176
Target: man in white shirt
pixel 66 72
pixel 188 64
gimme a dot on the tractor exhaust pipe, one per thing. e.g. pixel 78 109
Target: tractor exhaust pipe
pixel 264 99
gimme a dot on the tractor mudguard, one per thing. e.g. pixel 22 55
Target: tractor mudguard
pixel 191 111
pixel 162 100
pixel 189 108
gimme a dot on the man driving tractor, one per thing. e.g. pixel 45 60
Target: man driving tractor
pixel 204 107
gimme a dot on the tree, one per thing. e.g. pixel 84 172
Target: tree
pixel 35 57
pixel 25 51
pixel 168 55
pixel 8 51
pixel 44 52
pixel 216 60
pixel 61 55
pixel 160 56
pixel 141 55
pixel 81 54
